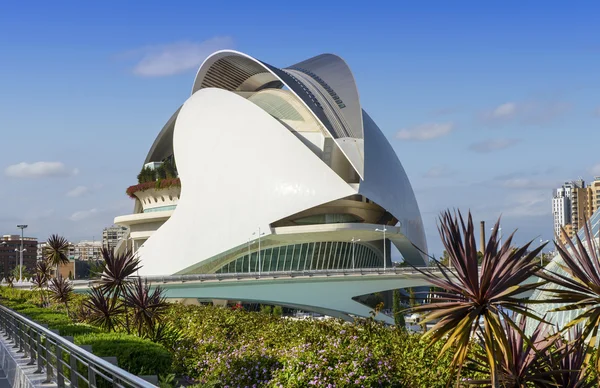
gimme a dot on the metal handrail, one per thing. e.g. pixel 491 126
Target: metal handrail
pixel 276 274
pixel 46 348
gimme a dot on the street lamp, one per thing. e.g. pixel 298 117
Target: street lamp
pixel 384 255
pixel 21 253
pixel 354 241
pixel 259 234
pixel 500 232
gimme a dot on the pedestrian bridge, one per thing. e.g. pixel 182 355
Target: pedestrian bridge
pixel 328 292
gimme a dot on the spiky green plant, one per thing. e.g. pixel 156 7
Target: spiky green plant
pixel 569 362
pixel 475 295
pixel 527 361
pixel 61 291
pixel 118 268
pixel 104 311
pixel 579 286
pixel 148 306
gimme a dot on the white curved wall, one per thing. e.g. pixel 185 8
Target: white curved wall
pixel 240 170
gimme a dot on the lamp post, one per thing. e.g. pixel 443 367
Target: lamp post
pixel 22 227
pixel 249 254
pixel 259 234
pixel 354 241
pixel 384 254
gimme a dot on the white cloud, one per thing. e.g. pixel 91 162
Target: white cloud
pixel 175 58
pixel 526 112
pixel 493 145
pixel 425 132
pixel 507 110
pixel 39 170
pixel 78 191
pixel 83 214
pixel 437 172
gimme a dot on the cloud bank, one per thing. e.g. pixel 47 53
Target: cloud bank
pixel 425 132
pixel 39 170
pixel 175 58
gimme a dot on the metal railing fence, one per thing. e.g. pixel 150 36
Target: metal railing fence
pixel 63 362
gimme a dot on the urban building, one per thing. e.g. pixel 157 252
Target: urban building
pixel 9 255
pixel 585 201
pixel 283 171
pixel 86 250
pixel 562 205
pixel 572 203
pixel 112 235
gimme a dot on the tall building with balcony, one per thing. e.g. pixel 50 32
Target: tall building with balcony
pixel 584 204
pixel 562 206
pixel 9 256
pixel 112 235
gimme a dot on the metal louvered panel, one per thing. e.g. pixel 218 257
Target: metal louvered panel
pixel 230 72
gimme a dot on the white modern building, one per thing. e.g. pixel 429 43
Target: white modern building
pixel 280 169
pixel 562 201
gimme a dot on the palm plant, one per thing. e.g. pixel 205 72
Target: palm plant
pixel 147 306
pixel 474 294
pixel 118 268
pixel 579 286
pixel 56 251
pixel 570 363
pixel 104 311
pixel 61 291
pixel 527 361
pixel 43 269
pixel 39 283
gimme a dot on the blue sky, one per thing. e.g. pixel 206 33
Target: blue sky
pixel 487 105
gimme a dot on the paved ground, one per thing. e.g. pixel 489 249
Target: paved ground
pixel 3 380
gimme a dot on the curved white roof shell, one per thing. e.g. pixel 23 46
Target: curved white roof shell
pixel 263 148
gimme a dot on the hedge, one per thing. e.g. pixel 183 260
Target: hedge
pixel 134 354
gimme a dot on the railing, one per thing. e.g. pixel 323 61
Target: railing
pixel 287 274
pixel 63 362
pixel 259 275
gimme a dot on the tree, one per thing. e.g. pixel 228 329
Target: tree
pixel 16 272
pixel 398 310
pixel 56 251
pixel 170 169
pixel 473 295
pixel 445 260
pixel 161 173
pixel 412 300
pixel 146 175
pixel 278 311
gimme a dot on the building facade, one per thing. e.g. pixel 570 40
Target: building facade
pixel 280 169
pixel 562 205
pixel 585 201
pixel 9 256
pixel 112 235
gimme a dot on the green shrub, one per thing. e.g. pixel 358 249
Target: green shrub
pixel 75 329
pixel 136 355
